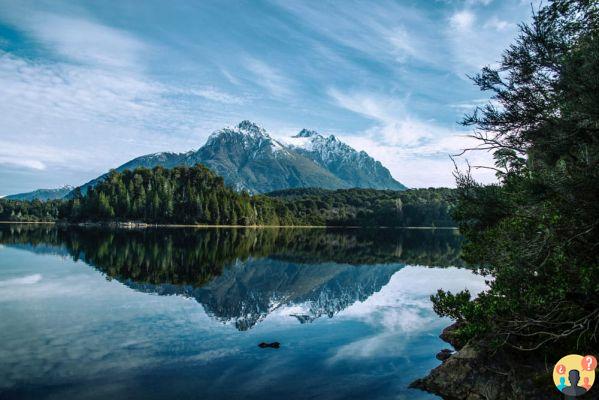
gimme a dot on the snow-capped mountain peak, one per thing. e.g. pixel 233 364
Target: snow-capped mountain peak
pixel 245 129
pixel 305 133
pixel 248 158
pixel 250 128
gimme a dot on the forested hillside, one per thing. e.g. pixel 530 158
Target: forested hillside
pixel 195 195
pixel 30 210
pixel 180 195
pixel 369 207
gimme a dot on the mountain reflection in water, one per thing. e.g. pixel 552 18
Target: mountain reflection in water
pixel 240 276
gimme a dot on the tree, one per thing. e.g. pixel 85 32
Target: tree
pixel 536 232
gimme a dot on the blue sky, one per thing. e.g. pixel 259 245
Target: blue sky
pixel 88 85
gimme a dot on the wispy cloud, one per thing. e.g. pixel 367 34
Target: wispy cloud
pixel 83 41
pixel 395 126
pixel 37 156
pixel 269 77
pixel 24 280
pixel 95 94
pixel 462 20
pixel 99 84
pixel 477 40
pixel 401 310
pixel 414 150
pixel 375 29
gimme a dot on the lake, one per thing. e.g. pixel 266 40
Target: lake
pixel 92 313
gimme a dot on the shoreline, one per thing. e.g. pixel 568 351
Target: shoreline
pixel 475 370
pixel 148 225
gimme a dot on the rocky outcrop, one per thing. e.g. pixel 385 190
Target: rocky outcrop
pixel 450 336
pixel 476 372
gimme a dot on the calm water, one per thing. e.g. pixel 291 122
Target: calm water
pixel 178 313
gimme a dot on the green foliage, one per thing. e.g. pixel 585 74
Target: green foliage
pixel 30 211
pixel 370 207
pixel 195 195
pixel 194 256
pixel 180 195
pixel 536 232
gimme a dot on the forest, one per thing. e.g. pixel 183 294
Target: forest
pixel 195 256
pixel 195 195
pixel 535 233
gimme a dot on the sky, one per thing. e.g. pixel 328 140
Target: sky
pixel 86 86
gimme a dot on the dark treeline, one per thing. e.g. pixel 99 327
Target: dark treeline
pixel 235 272
pixel 180 195
pixel 195 256
pixel 30 210
pixel 369 207
pixel 195 195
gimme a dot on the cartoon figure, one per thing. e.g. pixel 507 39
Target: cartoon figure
pixel 574 389
pixel 574 375
pixel 562 384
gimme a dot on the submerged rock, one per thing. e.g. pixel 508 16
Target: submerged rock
pixel 274 345
pixel 444 354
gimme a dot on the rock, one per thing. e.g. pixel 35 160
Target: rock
pixel 274 345
pixel 449 335
pixel 302 318
pixel 477 372
pixel 444 354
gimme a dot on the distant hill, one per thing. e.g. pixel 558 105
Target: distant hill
pixel 248 158
pixel 42 194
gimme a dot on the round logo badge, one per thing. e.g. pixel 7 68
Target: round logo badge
pixel 574 375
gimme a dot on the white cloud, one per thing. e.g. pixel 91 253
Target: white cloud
pixel 37 156
pixel 230 77
pixel 268 77
pixel 379 29
pixel 416 152
pixel 479 2
pixel 462 20
pixel 475 41
pixel 469 106
pixel 401 310
pixel 24 280
pixel 498 24
pixel 89 108
pixel 81 40
pixel 395 126
pixel 427 165
pixel 217 95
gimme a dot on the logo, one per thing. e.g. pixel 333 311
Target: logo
pixel 574 375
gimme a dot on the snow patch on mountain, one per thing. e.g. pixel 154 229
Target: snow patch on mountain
pixel 248 158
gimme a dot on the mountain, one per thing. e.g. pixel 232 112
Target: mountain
pixel 240 276
pixel 247 292
pixel 354 167
pixel 248 158
pixel 42 194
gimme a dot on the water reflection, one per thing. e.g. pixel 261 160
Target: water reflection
pixel 142 316
pixel 240 276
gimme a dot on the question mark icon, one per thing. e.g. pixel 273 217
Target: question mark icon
pixel 589 363
pixel 561 369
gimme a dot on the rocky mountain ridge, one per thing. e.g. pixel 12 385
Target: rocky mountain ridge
pixel 42 194
pixel 249 158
